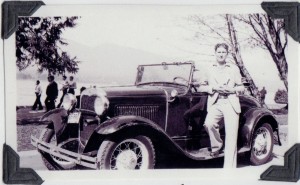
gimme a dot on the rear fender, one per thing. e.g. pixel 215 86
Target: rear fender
pixel 254 118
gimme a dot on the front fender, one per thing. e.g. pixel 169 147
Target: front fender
pixel 121 122
pixel 130 126
pixel 57 120
pixel 253 118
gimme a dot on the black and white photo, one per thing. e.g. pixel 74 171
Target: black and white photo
pixel 148 87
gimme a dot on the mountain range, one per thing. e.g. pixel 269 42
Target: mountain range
pixel 102 64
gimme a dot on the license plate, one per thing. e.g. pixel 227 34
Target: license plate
pixel 74 117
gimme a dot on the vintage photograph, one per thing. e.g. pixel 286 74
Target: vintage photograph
pixel 133 88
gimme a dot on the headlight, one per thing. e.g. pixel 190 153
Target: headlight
pixel 101 104
pixel 69 101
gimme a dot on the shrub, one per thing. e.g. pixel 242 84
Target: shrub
pixel 281 96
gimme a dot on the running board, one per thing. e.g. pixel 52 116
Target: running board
pixel 204 153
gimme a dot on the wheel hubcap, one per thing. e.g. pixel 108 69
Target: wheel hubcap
pixel 129 154
pixel 126 160
pixel 262 143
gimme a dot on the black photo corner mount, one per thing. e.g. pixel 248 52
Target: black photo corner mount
pixel 10 12
pixel 289 11
pixel 13 174
pixel 290 171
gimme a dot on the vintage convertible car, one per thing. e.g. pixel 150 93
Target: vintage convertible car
pixel 131 127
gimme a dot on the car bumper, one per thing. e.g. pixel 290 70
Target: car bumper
pixel 83 160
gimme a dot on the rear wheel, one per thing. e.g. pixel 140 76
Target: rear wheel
pixel 262 145
pixel 128 153
pixel 50 161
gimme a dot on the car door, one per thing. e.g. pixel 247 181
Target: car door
pixel 199 128
pixel 176 127
pixel 183 128
pixel 197 134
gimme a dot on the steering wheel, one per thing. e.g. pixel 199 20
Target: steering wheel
pixel 194 87
pixel 180 78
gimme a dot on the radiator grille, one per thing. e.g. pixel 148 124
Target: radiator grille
pixel 147 111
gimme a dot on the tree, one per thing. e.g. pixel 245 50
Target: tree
pixel 281 97
pixel 38 42
pixel 269 35
pixel 236 54
pixel 230 37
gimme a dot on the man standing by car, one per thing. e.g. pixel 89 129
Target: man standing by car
pixel 223 84
pixel 51 92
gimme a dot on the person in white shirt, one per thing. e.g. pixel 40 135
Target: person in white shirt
pixel 64 89
pixel 223 85
pixel 72 85
pixel 38 93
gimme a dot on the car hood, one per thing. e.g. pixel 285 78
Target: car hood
pixel 125 91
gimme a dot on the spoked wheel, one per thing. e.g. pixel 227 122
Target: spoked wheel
pixel 52 162
pixel 127 154
pixel 262 145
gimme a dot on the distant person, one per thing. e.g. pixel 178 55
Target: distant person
pixel 38 93
pixel 263 93
pixel 78 97
pixel 51 92
pixel 64 89
pixel 72 85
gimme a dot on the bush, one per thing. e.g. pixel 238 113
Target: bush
pixel 281 97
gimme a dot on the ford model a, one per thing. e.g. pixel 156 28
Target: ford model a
pixel 131 127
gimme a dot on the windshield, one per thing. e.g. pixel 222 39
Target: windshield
pixel 165 73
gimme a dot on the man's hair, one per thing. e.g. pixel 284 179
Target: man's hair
pixel 64 76
pixel 38 81
pixel 51 77
pixel 224 45
pixel 82 89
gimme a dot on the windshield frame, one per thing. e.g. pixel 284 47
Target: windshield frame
pixel 137 83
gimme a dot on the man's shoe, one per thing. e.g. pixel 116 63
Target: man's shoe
pixel 214 154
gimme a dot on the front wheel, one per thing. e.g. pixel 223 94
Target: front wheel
pixel 262 145
pixel 129 154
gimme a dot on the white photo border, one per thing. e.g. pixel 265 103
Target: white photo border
pixel 178 176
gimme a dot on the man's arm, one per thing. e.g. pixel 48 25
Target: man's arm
pixel 55 90
pixel 238 87
pixel 40 90
pixel 47 90
pixel 204 85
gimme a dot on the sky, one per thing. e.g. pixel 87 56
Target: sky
pixel 165 33
pixel 147 29
pixel 112 42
